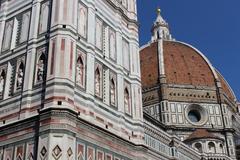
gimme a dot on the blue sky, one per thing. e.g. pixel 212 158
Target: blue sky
pixel 212 26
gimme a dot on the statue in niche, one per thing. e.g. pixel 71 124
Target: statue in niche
pixel 97 83
pixel 2 80
pixel 40 70
pixel 79 74
pixel 112 93
pixel 20 78
pixel 126 101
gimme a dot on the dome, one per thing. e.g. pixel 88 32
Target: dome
pixel 182 64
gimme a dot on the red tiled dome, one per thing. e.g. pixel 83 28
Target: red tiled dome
pixel 149 65
pixel 183 65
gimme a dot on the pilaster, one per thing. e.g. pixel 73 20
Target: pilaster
pixel 91 22
pixel 2 25
pixel 119 48
pixel 90 74
pixel 120 93
pixel 33 33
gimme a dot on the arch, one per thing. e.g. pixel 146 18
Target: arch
pixel 19 76
pixel 80 73
pixel 127 105
pixel 198 146
pixel 211 147
pixel 112 92
pixel 40 68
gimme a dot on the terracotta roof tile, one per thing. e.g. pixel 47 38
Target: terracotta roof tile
pixel 201 134
pixel 225 87
pixel 149 65
pixel 183 66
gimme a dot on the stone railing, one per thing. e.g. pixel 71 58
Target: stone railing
pixel 167 145
pixel 172 147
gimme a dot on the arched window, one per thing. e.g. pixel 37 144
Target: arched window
pixel 82 20
pixel 25 27
pixel 40 68
pixel 113 92
pixel 112 44
pixel 198 146
pixel 7 35
pixel 19 76
pixel 127 105
pixel 43 26
pixel 97 82
pixel 80 71
pixel 211 147
pixel 2 82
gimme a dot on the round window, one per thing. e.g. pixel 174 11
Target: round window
pixel 196 114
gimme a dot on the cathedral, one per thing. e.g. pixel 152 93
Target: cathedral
pixel 75 85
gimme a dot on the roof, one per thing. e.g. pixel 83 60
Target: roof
pixel 149 65
pixel 226 88
pixel 183 65
pixel 201 134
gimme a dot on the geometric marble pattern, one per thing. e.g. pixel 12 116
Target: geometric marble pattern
pixel 57 152
pixel 69 152
pixel 30 156
pixel 100 155
pixel 19 157
pixel 29 153
pixel 43 152
pixel 90 153
pixel 81 152
pixel 19 152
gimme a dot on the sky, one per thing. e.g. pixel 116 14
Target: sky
pixel 211 26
